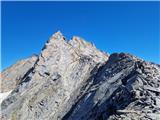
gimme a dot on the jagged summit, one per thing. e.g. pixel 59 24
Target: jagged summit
pixel 73 80
pixel 74 40
pixel 58 33
pixel 75 47
pixel 57 36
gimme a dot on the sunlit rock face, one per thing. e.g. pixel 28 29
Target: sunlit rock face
pixel 72 80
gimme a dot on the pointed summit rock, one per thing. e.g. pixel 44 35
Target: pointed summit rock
pixel 57 36
pixel 73 80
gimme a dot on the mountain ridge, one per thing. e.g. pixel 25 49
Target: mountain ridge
pixel 73 80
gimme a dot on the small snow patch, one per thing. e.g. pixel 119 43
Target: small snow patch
pixel 4 95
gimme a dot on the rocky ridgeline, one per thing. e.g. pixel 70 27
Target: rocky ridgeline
pixel 72 80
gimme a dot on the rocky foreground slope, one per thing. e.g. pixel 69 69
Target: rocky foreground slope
pixel 72 80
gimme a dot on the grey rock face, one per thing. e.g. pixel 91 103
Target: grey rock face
pixel 125 88
pixel 72 80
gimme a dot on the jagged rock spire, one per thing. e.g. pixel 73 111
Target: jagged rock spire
pixel 58 35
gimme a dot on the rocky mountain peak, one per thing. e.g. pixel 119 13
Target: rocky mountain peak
pixel 76 48
pixel 56 39
pixel 57 36
pixel 73 80
pixel 80 42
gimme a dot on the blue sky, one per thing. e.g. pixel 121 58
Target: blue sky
pixel 131 27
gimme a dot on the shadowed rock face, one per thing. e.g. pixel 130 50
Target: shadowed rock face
pixel 72 80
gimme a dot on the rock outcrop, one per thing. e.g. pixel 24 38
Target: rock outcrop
pixel 72 80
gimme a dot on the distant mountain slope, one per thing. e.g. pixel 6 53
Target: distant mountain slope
pixel 12 76
pixel 72 80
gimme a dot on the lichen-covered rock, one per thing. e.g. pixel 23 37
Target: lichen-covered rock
pixel 72 80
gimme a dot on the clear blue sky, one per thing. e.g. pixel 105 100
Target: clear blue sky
pixel 131 27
